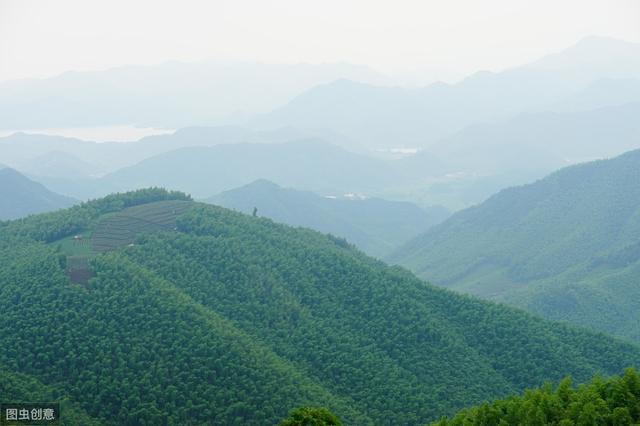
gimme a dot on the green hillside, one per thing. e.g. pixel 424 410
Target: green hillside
pixel 565 247
pixel 230 319
pixel 615 401
pixel 374 225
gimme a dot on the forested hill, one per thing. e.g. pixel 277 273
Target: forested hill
pixel 148 308
pixel 374 225
pixel 565 247
pixel 20 196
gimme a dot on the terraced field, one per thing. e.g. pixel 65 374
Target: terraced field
pixel 122 228
pixel 78 269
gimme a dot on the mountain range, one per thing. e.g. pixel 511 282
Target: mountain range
pixel 482 159
pixel 202 93
pixel 386 116
pixel 483 134
pixel 354 101
pixel 310 164
pixel 24 151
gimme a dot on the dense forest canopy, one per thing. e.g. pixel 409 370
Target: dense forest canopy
pixel 232 319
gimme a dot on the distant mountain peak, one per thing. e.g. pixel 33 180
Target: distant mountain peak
pixel 599 40
pixel 604 56
pixel 11 172
pixel 21 196
pixel 264 184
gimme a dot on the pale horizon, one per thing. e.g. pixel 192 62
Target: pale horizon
pixel 409 41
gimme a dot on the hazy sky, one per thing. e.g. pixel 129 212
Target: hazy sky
pixel 42 38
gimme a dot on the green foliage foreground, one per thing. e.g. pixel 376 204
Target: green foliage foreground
pixel 614 402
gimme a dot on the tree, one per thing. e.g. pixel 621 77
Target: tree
pixel 311 416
